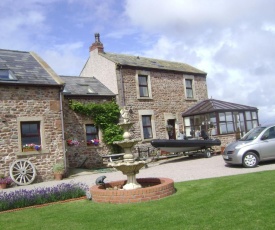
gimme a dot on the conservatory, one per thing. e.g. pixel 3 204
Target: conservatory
pixel 219 118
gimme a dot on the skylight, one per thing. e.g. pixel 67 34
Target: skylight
pixel 7 75
pixel 90 90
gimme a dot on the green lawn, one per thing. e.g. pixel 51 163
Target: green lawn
pixel 235 202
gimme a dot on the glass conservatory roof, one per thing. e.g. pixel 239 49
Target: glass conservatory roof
pixel 212 105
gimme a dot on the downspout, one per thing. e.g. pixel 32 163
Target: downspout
pixel 122 86
pixel 62 127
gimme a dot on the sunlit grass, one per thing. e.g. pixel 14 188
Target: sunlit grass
pixel 235 202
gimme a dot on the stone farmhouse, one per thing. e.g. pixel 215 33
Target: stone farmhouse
pixel 155 91
pixel 164 95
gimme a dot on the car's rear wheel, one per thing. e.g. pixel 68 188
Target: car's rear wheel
pixel 250 160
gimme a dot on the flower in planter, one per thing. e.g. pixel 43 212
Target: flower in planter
pixel 32 147
pixel 93 142
pixel 71 142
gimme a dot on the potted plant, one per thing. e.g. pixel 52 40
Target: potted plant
pixel 58 170
pixel 4 181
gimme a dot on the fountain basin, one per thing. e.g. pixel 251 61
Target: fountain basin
pixel 152 189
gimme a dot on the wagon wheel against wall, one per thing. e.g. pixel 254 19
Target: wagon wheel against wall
pixel 22 172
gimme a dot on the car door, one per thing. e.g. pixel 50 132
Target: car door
pixel 267 144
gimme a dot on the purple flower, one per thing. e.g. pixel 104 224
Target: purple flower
pixel 5 180
pixel 23 198
pixel 37 147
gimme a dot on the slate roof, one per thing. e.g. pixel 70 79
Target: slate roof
pixel 212 105
pixel 137 61
pixel 28 68
pixel 84 86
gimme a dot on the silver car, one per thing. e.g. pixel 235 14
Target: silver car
pixel 255 146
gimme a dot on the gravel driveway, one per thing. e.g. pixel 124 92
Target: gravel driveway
pixel 186 168
pixel 178 169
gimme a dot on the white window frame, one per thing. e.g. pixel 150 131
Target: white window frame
pixel 147 113
pixel 42 134
pixel 192 78
pixel 146 73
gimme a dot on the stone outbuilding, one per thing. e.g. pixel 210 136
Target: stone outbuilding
pixel 30 113
pixel 81 129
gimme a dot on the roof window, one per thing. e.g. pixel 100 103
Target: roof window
pixel 7 75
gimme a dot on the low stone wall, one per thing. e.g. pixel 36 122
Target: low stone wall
pixel 157 188
pixel 225 140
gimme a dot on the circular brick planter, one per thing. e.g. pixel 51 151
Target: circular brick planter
pixel 152 189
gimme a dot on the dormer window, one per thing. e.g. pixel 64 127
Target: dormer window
pixel 7 75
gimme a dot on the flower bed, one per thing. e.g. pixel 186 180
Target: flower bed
pixel 24 198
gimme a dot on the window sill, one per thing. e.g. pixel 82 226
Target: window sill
pixel 144 98
pixel 33 152
pixel 190 99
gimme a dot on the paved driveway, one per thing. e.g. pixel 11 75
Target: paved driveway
pixel 178 169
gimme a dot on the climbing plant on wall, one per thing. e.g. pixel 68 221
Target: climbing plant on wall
pixel 105 116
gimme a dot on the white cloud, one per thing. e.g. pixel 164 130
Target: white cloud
pixel 233 41
pixel 230 40
pixel 64 59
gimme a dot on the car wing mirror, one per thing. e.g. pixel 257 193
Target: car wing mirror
pixel 264 137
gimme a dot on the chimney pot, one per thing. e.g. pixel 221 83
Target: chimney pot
pixel 97 37
pixel 97 44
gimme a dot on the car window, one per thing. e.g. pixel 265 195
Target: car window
pixel 252 134
pixel 269 134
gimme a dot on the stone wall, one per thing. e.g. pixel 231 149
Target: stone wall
pixel 19 102
pixel 168 98
pixel 74 125
pixel 225 140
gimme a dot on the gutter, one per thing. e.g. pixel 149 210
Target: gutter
pixel 62 127
pixel 122 86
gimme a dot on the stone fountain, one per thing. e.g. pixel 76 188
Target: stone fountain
pixel 128 166
pixel 132 190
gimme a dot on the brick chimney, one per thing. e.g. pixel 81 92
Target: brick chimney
pixel 97 44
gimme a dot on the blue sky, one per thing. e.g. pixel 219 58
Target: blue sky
pixel 233 41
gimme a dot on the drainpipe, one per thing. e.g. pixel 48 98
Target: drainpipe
pixel 122 86
pixel 62 126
